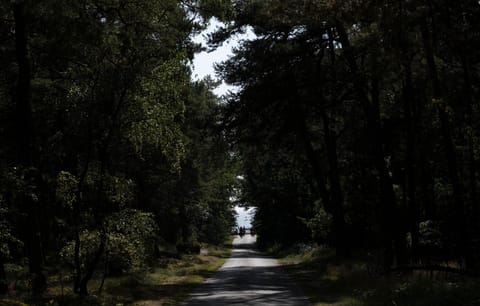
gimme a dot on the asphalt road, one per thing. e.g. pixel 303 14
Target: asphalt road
pixel 248 277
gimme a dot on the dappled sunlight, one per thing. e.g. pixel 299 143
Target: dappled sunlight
pixel 248 277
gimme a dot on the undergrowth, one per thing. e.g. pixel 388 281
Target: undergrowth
pixel 347 282
pixel 168 282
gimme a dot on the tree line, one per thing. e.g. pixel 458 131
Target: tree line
pixel 109 151
pixel 357 125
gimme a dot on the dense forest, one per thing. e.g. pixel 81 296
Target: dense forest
pixel 109 151
pixel 355 125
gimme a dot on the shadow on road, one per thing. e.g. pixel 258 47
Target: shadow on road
pixel 264 286
pixel 248 278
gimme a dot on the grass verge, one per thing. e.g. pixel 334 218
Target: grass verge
pixel 327 281
pixel 168 283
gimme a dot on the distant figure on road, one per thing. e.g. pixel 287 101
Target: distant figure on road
pixel 241 231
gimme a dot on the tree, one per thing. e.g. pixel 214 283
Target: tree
pixel 99 91
pixel 359 85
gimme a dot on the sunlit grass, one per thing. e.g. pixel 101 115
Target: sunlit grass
pixel 166 284
pixel 169 285
pixel 8 302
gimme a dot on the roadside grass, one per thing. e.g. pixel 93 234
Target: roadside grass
pixel 168 283
pixel 327 281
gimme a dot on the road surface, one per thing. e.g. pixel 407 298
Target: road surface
pixel 248 277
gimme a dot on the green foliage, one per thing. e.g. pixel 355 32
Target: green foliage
pixel 130 243
pixel 67 185
pixel 132 232
pixel 369 107
pixel 7 237
pixel 12 185
pixel 160 110
pixel 117 133
pixel 220 9
pixel 120 191
pixel 320 225
pixel 89 242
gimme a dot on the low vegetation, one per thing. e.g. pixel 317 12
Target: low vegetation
pixel 328 281
pixel 166 283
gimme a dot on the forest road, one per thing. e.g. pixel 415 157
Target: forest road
pixel 248 277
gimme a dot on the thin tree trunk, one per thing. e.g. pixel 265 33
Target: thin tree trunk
pixel 410 114
pixel 391 217
pixel 91 266
pixel 472 167
pixel 76 218
pixel 76 258
pixel 410 162
pixel 3 277
pixel 80 282
pixel 304 135
pixel 332 203
pixel 23 105
pixel 459 210
pixel 387 206
pixel 105 272
pixel 24 130
pixel 426 187
pixel 336 193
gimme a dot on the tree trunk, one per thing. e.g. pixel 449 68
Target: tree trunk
pixel 391 218
pixel 410 161
pixel 76 219
pixel 3 277
pixel 91 266
pixel 76 258
pixel 336 193
pixel 24 130
pixel 105 272
pixel 410 117
pixel 304 135
pixel 333 203
pixel 459 209
pixel 472 163
pixel 387 206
